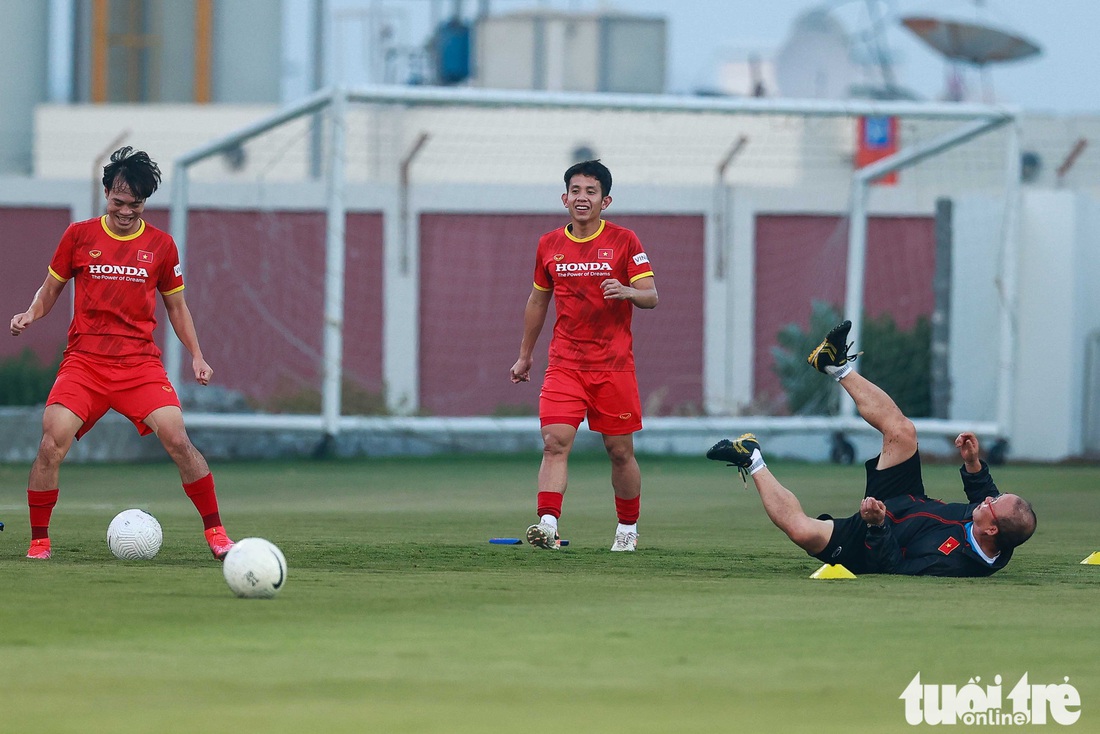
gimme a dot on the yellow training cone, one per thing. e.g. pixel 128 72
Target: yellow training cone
pixel 1093 560
pixel 837 571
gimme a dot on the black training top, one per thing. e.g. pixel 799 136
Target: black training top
pixel 926 537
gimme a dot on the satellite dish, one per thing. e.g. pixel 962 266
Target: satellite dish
pixel 970 41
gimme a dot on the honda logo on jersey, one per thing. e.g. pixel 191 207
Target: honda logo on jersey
pixel 582 267
pixel 118 270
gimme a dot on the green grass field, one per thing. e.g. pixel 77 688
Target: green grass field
pixel 398 616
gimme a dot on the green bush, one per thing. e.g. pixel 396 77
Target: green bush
pixel 900 362
pixel 897 361
pixel 24 380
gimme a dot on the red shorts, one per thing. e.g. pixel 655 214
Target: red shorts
pixel 134 386
pixel 608 399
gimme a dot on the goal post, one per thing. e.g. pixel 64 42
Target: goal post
pixel 334 235
pixel 857 247
pixel 744 203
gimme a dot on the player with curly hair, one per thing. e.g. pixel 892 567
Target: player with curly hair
pixel 118 264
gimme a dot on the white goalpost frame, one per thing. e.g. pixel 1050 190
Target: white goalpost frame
pixel 335 253
pixel 857 250
pixel 334 245
pixel 975 120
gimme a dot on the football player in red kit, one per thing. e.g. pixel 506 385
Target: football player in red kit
pixel 118 264
pixel 597 273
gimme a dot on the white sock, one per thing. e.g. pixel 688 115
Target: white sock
pixel 626 528
pixel 550 520
pixel 757 461
pixel 839 373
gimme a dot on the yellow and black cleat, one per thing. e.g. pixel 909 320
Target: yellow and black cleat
pixel 833 352
pixel 737 453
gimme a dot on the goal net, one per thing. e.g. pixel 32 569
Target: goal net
pixel 369 253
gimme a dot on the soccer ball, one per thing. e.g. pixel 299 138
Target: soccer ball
pixel 255 568
pixel 134 535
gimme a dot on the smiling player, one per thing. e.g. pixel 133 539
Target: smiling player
pixel 597 273
pixel 118 263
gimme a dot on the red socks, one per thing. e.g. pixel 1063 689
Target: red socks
pixel 202 495
pixel 628 510
pixel 549 503
pixel 201 492
pixel 41 506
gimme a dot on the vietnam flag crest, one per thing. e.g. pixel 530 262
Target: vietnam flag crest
pixel 948 545
pixel 605 253
pixel 144 256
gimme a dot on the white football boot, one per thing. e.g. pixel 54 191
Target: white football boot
pixel 544 535
pixel 625 541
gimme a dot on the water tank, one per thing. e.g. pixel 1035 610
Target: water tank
pixel 452 52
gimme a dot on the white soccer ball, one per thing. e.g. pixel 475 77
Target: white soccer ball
pixel 134 535
pixel 255 568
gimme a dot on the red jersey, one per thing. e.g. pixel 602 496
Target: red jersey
pixel 116 281
pixel 590 333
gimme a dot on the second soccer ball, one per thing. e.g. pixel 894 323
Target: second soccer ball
pixel 255 568
pixel 134 535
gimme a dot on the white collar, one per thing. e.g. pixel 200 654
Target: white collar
pixel 977 548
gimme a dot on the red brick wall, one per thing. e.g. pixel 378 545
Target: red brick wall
pixel 801 258
pixel 475 277
pixel 29 240
pixel 255 286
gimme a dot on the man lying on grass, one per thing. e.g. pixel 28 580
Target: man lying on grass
pixel 898 528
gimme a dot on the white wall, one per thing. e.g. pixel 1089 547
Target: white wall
pixel 1088 264
pixel 976 306
pixel 1089 238
pixel 1057 309
pixel 527 145
pixel 70 138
